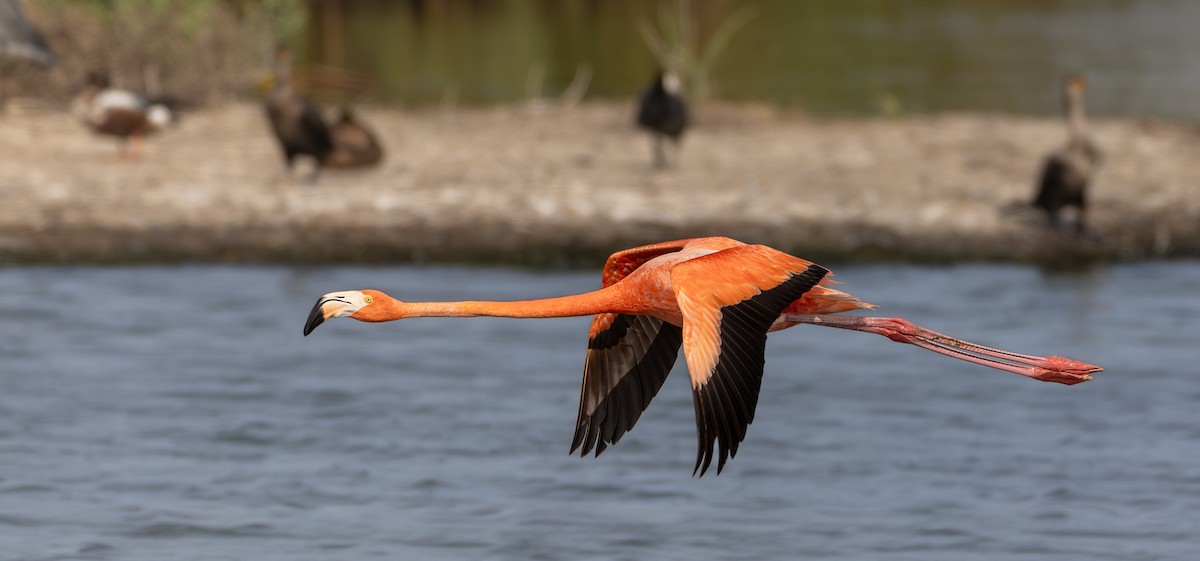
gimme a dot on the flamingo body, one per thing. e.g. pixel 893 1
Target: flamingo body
pixel 716 298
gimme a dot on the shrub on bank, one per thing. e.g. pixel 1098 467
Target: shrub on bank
pixel 196 51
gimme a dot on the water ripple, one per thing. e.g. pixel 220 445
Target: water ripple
pixel 184 436
pixel 186 530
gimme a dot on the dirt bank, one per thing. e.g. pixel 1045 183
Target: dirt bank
pixel 520 185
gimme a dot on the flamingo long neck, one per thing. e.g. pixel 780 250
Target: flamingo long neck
pixel 586 304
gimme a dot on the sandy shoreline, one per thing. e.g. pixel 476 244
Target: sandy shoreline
pixel 567 186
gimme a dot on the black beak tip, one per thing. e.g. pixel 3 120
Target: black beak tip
pixel 315 318
pixel 312 324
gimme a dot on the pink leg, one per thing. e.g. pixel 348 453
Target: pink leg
pixel 900 330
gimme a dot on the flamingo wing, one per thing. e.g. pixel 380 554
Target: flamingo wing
pixel 626 261
pixel 627 363
pixel 628 358
pixel 729 299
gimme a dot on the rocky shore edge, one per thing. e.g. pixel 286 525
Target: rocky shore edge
pixel 567 186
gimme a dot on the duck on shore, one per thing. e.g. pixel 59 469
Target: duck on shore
pixel 663 111
pixel 354 145
pixel 1068 172
pixel 120 113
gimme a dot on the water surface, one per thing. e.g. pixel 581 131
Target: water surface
pixel 177 413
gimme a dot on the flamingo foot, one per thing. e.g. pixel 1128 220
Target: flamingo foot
pixel 1047 369
pixel 1064 370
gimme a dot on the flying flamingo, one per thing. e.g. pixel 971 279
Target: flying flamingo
pixel 718 298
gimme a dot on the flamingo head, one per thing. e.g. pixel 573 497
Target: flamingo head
pixel 362 305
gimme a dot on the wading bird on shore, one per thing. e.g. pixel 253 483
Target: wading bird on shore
pixel 664 113
pixel 120 113
pixel 302 130
pixel 716 297
pixel 296 122
pixel 1069 171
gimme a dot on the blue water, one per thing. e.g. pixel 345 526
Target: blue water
pixel 177 413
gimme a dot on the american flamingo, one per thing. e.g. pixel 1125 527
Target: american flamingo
pixel 718 298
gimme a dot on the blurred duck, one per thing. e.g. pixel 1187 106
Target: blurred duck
pixel 19 40
pixel 119 113
pixel 297 123
pixel 1069 170
pixel 664 113
pixel 354 145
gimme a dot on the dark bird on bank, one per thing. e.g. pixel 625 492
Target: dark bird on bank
pixel 301 128
pixel 120 113
pixel 19 40
pixel 1069 171
pixel 354 145
pixel 664 113
pixel 297 123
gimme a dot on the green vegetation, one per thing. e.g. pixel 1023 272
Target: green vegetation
pixel 675 43
pixel 194 50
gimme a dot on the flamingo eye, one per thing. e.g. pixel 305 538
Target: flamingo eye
pixel 367 298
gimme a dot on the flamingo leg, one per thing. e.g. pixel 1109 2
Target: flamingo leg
pixel 900 330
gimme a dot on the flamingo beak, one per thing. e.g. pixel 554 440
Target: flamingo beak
pixel 326 307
